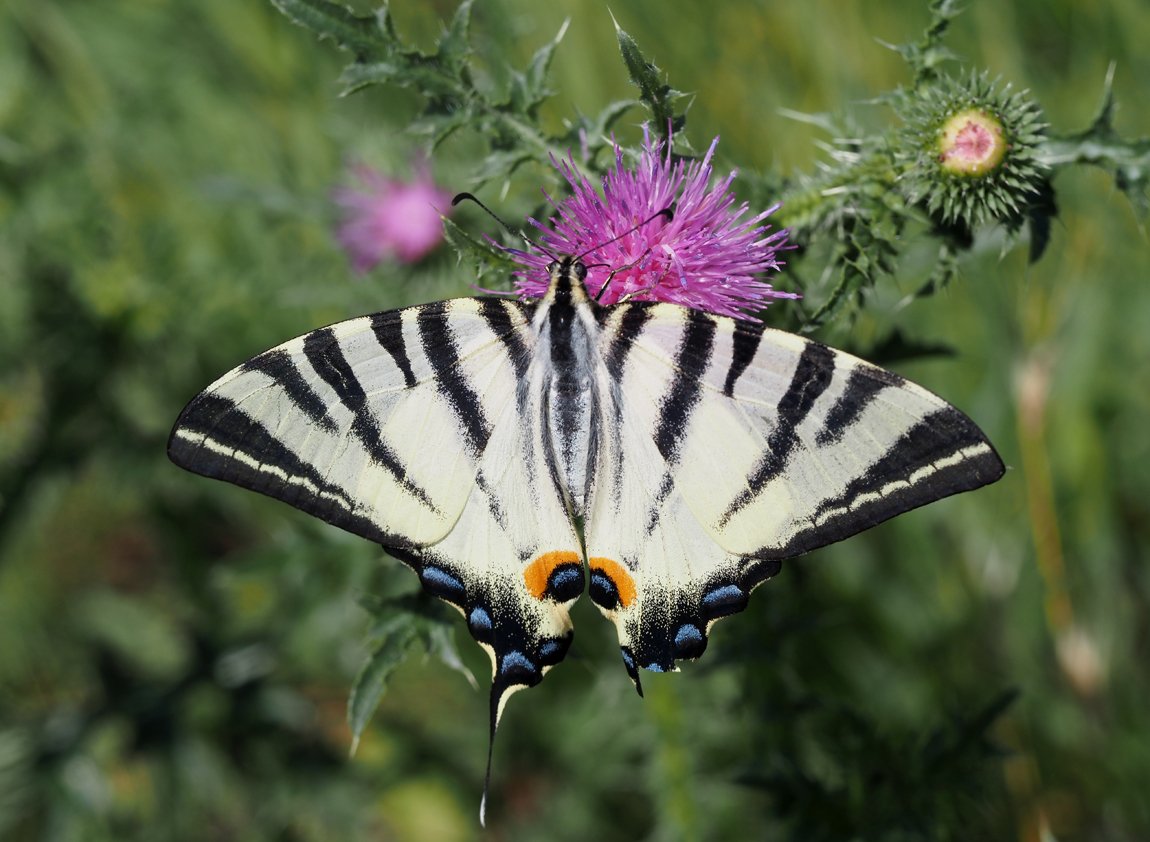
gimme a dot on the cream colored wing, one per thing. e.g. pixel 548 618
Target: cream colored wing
pixel 728 447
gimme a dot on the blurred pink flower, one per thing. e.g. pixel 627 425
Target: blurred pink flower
pixel 708 257
pixel 385 218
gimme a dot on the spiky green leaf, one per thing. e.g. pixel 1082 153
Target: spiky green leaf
pixel 929 54
pixel 366 37
pixel 399 624
pixel 370 684
pixel 529 88
pixel 1128 161
pixel 654 91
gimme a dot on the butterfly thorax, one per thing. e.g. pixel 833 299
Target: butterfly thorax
pixel 567 325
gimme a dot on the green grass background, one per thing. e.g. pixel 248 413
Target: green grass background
pixel 175 654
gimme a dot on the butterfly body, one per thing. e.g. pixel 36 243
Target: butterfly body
pixel 566 325
pixel 517 453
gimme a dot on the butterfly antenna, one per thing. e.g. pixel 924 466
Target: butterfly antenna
pixel 471 197
pixel 667 213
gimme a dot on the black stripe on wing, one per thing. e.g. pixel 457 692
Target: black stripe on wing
pixel 497 313
pixel 278 365
pixel 443 354
pixel 691 361
pixel 946 448
pixel 323 352
pixel 388 329
pixel 215 438
pixel 744 347
pixel 863 385
pixel 813 374
pixel 635 317
pixel 655 509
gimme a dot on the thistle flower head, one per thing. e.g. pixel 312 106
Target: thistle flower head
pixel 969 150
pixel 709 256
pixel 384 218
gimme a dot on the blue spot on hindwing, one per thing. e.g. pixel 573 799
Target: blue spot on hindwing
pixel 443 584
pixel 565 582
pixel 565 576
pixel 688 633
pixel 690 642
pixel 479 619
pixel 549 647
pixel 721 601
pixel 628 661
pixel 723 594
pixel 552 650
pixel 515 661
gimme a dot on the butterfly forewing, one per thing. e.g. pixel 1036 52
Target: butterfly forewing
pixel 841 445
pixel 325 422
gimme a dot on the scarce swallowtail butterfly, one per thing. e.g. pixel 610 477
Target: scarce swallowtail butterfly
pixel 517 453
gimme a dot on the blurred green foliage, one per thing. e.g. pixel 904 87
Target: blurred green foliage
pixel 177 654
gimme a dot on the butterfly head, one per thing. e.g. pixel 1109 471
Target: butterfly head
pixel 568 277
pixel 567 268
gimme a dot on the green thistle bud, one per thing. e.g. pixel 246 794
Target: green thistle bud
pixel 968 151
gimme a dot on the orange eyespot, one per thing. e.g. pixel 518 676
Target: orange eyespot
pixel 618 576
pixel 538 573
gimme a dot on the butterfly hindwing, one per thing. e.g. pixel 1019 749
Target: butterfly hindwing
pixel 736 446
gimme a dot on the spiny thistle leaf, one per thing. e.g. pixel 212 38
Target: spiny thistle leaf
pixel 854 208
pixel 370 684
pixel 529 89
pixel 1101 145
pixel 443 77
pixel 454 48
pixel 365 37
pixel 453 101
pixel 399 624
pixel 929 54
pixel 483 257
pixel 597 130
pixel 654 91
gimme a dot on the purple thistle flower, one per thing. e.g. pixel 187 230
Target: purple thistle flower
pixel 389 219
pixel 707 257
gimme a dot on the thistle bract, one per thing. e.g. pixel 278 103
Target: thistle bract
pixel 710 256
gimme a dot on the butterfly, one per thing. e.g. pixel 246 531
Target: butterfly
pixel 515 453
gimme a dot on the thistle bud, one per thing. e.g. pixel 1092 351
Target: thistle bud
pixel 969 151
